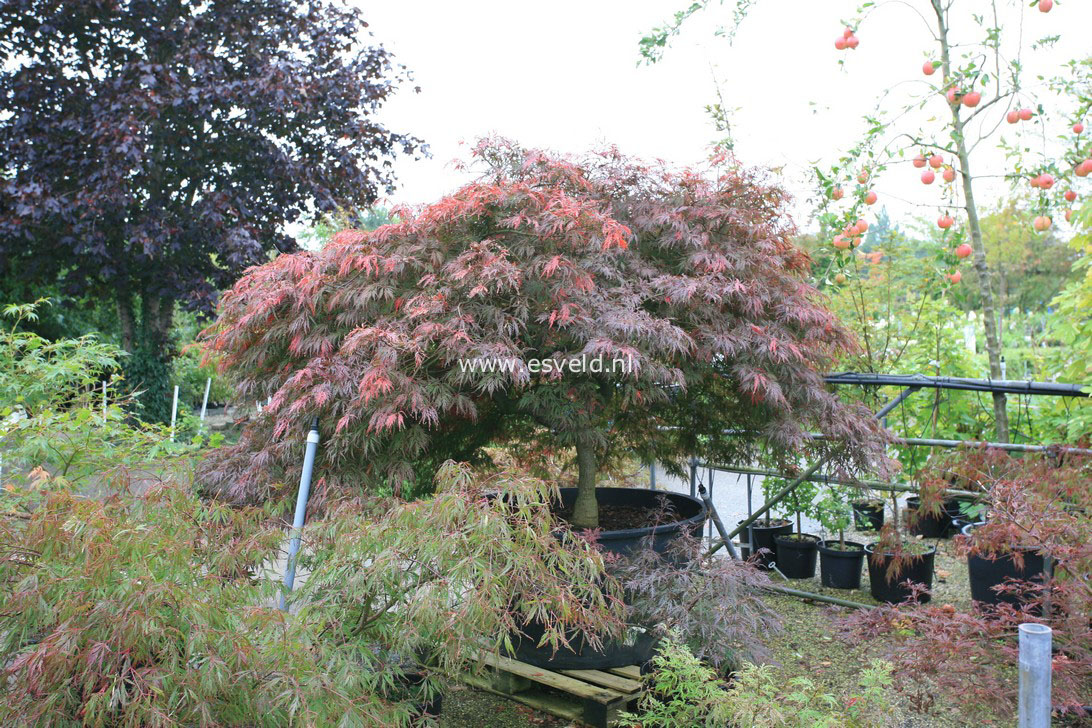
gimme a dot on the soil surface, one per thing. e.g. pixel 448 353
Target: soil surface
pixel 620 518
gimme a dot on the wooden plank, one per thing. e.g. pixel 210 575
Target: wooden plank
pixel 623 685
pixel 555 680
pixel 552 704
pixel 633 672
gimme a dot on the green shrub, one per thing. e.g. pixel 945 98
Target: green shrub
pixel 684 693
pixel 161 609
pixel 52 419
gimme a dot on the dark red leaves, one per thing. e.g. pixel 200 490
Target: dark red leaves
pixel 687 289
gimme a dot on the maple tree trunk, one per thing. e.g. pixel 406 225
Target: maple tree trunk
pixel 989 303
pixel 586 507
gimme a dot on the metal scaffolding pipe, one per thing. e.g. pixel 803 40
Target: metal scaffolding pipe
pixel 715 518
pixel 1005 386
pixel 777 497
pixel 301 511
pixel 817 597
pixel 861 484
pixel 933 442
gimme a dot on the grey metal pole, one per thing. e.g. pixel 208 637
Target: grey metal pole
pixel 1035 704
pixel 693 477
pixel 652 475
pixel 859 484
pixel 710 503
pixel 816 597
pixel 301 510
pixel 715 518
pixel 750 509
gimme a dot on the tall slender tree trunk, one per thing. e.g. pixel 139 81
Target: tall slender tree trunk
pixel 974 225
pixel 586 507
pixel 125 320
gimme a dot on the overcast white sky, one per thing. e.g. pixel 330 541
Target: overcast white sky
pixel 564 75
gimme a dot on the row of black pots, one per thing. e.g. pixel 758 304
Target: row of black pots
pixel 868 515
pixel 840 568
pixel 795 556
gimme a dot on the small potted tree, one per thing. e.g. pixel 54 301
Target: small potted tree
pixel 1032 518
pixel 840 560
pixel 896 560
pixel 796 551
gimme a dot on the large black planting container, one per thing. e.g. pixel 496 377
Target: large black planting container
pixel 764 535
pixel 986 572
pixel 796 555
pixel 927 525
pixel 840 568
pixel 688 515
pixel 918 569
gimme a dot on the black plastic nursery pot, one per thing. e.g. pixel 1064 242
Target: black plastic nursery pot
pixel 840 568
pixel 989 570
pixel 927 525
pixel 918 569
pixel 638 646
pixel 687 516
pixel 796 554
pixel 868 515
pixel 764 534
pixel 953 510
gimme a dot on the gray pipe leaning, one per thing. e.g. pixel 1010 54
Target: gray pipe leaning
pixel 301 511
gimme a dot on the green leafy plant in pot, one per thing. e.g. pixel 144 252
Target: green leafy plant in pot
pixel 840 561
pixel 868 513
pixel 796 551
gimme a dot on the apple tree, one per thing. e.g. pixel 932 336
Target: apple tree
pixel 973 97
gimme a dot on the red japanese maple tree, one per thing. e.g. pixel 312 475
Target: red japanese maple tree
pixel 433 336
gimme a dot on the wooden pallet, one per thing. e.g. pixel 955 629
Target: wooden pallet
pixel 593 697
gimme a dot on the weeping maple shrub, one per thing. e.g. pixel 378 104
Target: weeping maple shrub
pixel 449 330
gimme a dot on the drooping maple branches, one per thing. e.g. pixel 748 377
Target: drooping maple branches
pixel 484 317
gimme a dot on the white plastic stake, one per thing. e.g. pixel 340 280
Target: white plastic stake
pixel 174 411
pixel 205 402
pixel 1035 666
pixel 104 399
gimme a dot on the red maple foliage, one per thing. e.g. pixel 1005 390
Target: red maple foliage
pixel 1033 503
pixel 690 277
